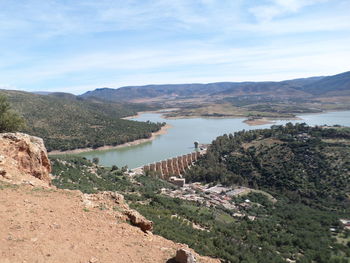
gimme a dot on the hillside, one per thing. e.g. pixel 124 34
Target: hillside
pixel 40 223
pixel 271 195
pixel 253 100
pixel 68 122
pixel 309 162
pixel 47 225
pixel 298 88
pixel 336 85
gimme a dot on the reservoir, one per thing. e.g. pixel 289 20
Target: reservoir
pixel 180 138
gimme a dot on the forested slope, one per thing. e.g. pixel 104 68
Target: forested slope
pixel 298 160
pixel 66 122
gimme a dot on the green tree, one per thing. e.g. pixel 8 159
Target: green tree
pixel 95 160
pixel 9 121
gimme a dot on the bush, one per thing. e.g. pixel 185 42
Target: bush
pixel 9 121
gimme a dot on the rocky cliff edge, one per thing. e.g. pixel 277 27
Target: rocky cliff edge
pixel 23 159
pixel 40 223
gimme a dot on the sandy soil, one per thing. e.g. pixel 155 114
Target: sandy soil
pixel 162 131
pixel 48 226
pixel 137 115
pixel 256 122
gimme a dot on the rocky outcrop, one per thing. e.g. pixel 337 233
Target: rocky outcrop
pixel 23 159
pixel 139 220
pixel 114 202
pixel 184 256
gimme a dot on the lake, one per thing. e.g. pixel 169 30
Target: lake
pixel 184 132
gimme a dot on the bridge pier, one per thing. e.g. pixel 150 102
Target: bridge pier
pixel 194 157
pixel 165 169
pixel 189 159
pixel 159 169
pixel 170 167
pixel 152 167
pixel 176 166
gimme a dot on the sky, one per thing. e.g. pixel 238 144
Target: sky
pixel 81 45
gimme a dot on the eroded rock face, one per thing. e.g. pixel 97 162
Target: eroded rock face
pixel 23 158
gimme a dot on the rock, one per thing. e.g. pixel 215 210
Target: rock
pixel 138 220
pixel 93 260
pixel 184 256
pixel 106 199
pixel 112 201
pixel 24 158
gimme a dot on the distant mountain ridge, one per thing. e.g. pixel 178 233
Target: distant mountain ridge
pixel 310 87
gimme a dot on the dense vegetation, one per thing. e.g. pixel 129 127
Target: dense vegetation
pixel 67 122
pixel 78 173
pixel 306 169
pixel 9 120
pixel 301 161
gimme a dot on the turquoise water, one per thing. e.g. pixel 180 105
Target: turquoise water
pixel 180 138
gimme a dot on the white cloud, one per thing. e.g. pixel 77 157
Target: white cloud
pixel 187 64
pixel 280 7
pixel 164 41
pixel 8 87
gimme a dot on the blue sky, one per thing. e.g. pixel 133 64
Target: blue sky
pixel 80 45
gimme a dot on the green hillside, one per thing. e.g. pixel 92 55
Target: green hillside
pixel 299 161
pixel 307 169
pixel 67 122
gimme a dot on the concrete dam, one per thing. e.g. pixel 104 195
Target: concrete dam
pixel 172 169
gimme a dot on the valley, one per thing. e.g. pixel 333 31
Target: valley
pixel 284 99
pixel 265 195
pixel 100 119
pixel 186 131
pixel 272 184
pixel 180 138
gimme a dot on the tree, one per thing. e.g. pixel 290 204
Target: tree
pixel 95 160
pixel 9 120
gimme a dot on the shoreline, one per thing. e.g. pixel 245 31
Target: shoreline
pixel 162 131
pixel 254 122
pixel 268 120
pixel 257 122
pixel 162 112
pixel 137 115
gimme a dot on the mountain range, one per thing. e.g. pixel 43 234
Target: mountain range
pixel 336 85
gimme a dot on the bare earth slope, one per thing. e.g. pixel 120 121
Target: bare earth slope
pixel 46 225
pixel 39 223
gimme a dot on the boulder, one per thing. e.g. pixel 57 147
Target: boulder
pixel 184 256
pixel 138 220
pixel 24 159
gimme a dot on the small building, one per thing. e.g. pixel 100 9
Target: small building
pixel 177 181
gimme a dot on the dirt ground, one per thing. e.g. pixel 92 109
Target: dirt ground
pixel 40 225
